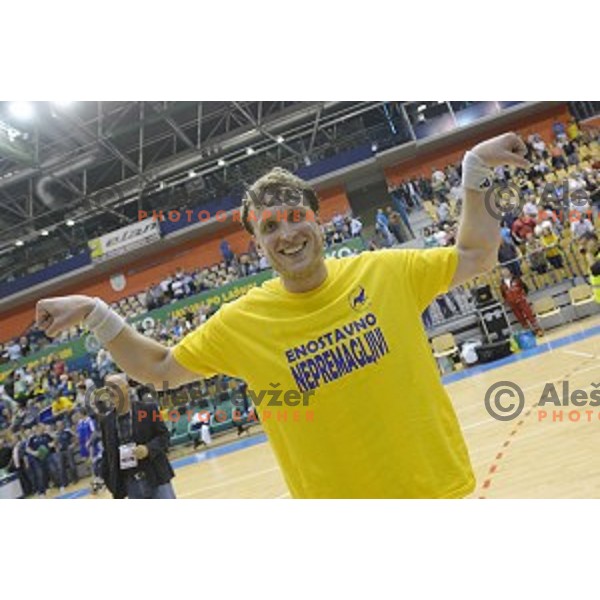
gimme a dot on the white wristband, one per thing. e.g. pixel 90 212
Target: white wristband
pixel 476 175
pixel 104 322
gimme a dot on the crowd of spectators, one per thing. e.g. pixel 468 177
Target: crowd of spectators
pixel 565 165
pixel 181 284
pixel 43 411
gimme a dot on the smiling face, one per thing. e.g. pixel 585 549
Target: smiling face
pixel 280 210
pixel 292 240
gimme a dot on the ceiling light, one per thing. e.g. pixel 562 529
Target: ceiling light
pixel 69 222
pixel 374 147
pixel 22 110
pixel 192 173
pixel 249 151
pixel 19 243
pixel 221 162
pixel 280 139
pixel 44 232
pixel 422 107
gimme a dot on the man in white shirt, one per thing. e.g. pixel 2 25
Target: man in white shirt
pixel 530 208
pixel 355 227
pixel 443 211
pixel 580 227
pixel 14 350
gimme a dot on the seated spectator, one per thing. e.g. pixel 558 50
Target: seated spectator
pixel 61 405
pixel 25 346
pixel 443 211
pixel 580 227
pixel 530 209
pixel 437 179
pixel 557 158
pixel 521 227
pixel 550 241
pixel 536 254
pixel 13 349
pixel 57 365
pixel 31 415
pixel 539 145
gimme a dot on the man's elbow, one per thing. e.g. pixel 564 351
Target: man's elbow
pixel 487 261
pixel 479 262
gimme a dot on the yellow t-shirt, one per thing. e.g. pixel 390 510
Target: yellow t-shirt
pixel 550 241
pixel 60 404
pixel 378 422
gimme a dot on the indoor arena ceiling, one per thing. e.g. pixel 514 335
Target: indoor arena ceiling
pixel 70 171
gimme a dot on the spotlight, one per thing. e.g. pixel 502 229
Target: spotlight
pixel 374 147
pixel 19 243
pixel 69 222
pixel 249 151
pixel 422 107
pixel 44 232
pixel 192 174
pixel 221 162
pixel 22 110
pixel 280 139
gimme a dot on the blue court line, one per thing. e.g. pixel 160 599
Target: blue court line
pixel 523 355
pixel 452 378
pixel 190 460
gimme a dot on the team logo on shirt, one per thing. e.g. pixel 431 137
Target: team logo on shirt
pixel 358 299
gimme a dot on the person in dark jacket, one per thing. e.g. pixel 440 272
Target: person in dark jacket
pixel 135 441
pixel 508 256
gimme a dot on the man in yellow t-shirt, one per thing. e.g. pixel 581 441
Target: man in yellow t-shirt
pixel 60 405
pixel 334 351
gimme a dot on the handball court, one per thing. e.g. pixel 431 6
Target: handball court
pixel 550 454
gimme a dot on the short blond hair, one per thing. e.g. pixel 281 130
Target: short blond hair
pixel 273 185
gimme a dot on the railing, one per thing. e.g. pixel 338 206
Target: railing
pixel 574 266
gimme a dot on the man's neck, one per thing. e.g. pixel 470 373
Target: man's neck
pixel 298 286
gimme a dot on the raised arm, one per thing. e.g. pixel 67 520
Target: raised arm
pixel 479 231
pixel 142 358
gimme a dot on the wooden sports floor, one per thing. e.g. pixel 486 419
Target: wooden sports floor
pixel 528 457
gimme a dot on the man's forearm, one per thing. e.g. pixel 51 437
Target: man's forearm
pixel 479 231
pixel 141 357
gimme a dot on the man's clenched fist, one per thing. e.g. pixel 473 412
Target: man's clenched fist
pixel 507 149
pixel 54 315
